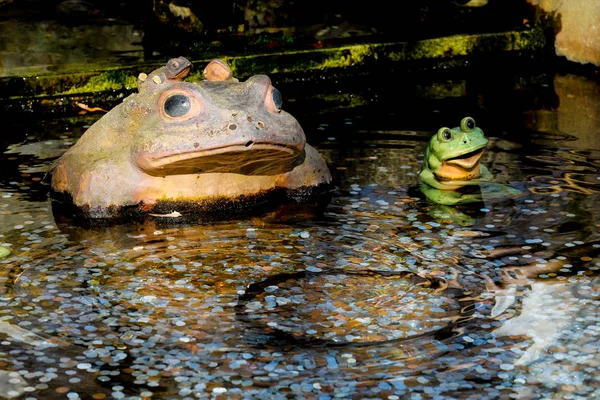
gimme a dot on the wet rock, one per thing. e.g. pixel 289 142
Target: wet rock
pixel 579 37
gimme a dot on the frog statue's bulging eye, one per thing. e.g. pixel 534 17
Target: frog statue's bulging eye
pixel 177 105
pixel 277 99
pixel 467 124
pixel 444 135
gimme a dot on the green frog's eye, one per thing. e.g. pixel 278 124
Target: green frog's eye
pixel 177 105
pixel 444 135
pixel 467 124
pixel 277 99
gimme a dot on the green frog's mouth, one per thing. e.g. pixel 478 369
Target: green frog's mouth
pixel 467 160
pixel 250 158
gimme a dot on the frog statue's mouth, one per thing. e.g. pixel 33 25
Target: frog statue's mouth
pixel 249 158
pixel 466 161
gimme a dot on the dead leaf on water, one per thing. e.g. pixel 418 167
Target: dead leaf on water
pixel 90 109
pixel 173 214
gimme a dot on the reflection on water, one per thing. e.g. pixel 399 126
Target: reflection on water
pixel 382 297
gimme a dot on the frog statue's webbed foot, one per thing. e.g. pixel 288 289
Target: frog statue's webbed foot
pixel 218 70
pixel 176 70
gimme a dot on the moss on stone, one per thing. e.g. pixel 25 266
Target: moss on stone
pixel 196 75
pixel 443 48
pixel 348 56
pixel 106 81
pixel 450 51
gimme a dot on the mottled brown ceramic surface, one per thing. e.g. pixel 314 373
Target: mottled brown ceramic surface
pixel 191 142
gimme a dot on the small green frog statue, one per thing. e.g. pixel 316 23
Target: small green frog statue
pixel 451 172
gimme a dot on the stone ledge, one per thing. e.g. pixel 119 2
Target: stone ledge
pixel 446 52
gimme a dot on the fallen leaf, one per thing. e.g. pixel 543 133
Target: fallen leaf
pixel 90 109
pixel 173 214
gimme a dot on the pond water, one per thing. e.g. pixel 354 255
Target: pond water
pixel 384 296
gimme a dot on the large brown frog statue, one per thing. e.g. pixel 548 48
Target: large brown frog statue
pixel 214 146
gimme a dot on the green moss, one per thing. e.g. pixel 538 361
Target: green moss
pixel 195 75
pixel 106 81
pixel 534 39
pixel 245 66
pixel 466 45
pixel 458 45
pixel 444 48
pixel 348 56
pixel 450 51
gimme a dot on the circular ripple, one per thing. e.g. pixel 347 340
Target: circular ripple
pixel 147 297
pixel 341 308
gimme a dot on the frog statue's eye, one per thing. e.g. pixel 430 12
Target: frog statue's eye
pixel 177 105
pixel 467 124
pixel 444 135
pixel 277 99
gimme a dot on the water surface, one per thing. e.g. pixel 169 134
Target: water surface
pixel 384 296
